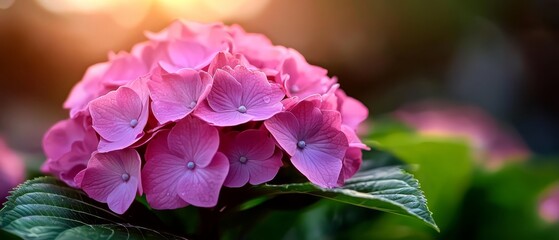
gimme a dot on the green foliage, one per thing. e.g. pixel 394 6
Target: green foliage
pixel 388 189
pixel 444 168
pixel 45 208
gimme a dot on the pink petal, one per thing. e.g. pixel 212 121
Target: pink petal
pixel 221 119
pixel 353 112
pixel 319 167
pixel 104 175
pixel 321 160
pixel 332 119
pixel 161 173
pixel 226 59
pixel 201 186
pixel 140 86
pixel 255 144
pixel 261 98
pixel 177 95
pixel 59 138
pixel 120 199
pixel 107 146
pixel 310 118
pixel 264 171
pixel 87 89
pixel 352 161
pixel 194 140
pixel 257 148
pixel 283 127
pixel 113 115
pixel 353 139
pixel 79 178
pixel 225 94
pixel 123 67
pixel 238 175
pixel 189 54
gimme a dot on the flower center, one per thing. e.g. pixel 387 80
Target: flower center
pixel 133 123
pixel 193 104
pixel 190 165
pixel 301 144
pixel 242 109
pixel 243 159
pixel 125 177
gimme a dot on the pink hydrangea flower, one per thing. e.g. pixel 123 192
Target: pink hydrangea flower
pixel 190 45
pixel 303 79
pixel 120 116
pixel 210 106
pixel 351 163
pixel 113 178
pixel 258 49
pixel 240 95
pixel 353 112
pixel 183 166
pixel 252 157
pixel 104 77
pixel 489 139
pixel 68 146
pixel 310 136
pixel 549 205
pixel 12 170
pixel 176 95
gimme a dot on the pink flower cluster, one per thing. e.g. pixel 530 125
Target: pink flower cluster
pixel 490 140
pixel 198 107
pixel 12 170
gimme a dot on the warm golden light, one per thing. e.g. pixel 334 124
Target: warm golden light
pixel 214 10
pixel 5 4
pixel 129 13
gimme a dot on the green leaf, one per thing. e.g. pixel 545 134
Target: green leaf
pixel 388 189
pixel 45 208
pixel 445 168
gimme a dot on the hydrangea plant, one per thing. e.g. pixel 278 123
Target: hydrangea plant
pixel 197 110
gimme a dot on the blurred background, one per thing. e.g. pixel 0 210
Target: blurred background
pixel 499 58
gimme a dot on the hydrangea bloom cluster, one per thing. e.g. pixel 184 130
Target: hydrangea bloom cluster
pixel 490 140
pixel 549 204
pixel 12 169
pixel 198 107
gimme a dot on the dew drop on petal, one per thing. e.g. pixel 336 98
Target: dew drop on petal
pixel 266 99
pixel 133 123
pixel 192 104
pixel 243 159
pixel 301 144
pixel 190 165
pixel 125 177
pixel 294 88
pixel 242 109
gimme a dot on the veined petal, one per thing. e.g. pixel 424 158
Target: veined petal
pixel 284 127
pixel 161 173
pixel 318 166
pixel 106 172
pixel 238 175
pixel 194 140
pixel 120 199
pixel 221 119
pixel 225 94
pixel 120 116
pixel 201 186
pixel 309 117
pixel 266 170
pixel 255 144
pixel 177 95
